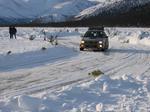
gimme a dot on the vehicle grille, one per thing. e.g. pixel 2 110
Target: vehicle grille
pixel 91 44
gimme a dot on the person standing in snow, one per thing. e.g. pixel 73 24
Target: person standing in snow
pixel 44 33
pixel 12 32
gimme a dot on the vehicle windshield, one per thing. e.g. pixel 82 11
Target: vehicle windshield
pixel 95 34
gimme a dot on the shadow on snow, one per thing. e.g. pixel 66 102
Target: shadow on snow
pixel 135 51
pixel 34 58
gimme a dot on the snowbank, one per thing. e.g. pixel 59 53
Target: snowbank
pixel 130 35
pixel 102 94
pixel 62 33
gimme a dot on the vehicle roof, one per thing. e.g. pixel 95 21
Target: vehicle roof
pixel 96 28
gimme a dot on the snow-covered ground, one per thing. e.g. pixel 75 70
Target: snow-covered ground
pixel 56 79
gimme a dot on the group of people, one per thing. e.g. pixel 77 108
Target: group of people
pixel 12 32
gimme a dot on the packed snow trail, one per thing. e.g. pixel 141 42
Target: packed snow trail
pixel 34 58
pixel 119 60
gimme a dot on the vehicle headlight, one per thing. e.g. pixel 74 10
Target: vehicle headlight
pixel 100 46
pixel 100 42
pixel 82 42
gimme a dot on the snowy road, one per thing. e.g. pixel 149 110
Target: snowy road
pixel 41 72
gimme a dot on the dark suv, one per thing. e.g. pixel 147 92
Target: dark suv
pixel 95 39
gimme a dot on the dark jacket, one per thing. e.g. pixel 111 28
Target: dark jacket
pixel 12 30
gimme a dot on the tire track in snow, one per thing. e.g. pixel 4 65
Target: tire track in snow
pixel 58 74
pixel 81 62
pixel 129 65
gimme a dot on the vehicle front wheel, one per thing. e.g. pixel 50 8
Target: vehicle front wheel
pixel 81 49
pixel 103 49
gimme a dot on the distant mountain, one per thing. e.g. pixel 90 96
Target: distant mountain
pixel 113 7
pixel 75 12
pixel 118 13
pixel 21 9
pixel 17 11
pixel 66 10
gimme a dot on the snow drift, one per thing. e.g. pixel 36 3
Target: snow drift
pixel 132 36
pixel 102 94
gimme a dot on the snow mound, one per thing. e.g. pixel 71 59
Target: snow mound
pixel 103 94
pixel 62 33
pixel 132 35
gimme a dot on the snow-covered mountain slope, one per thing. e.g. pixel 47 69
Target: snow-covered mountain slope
pixel 113 7
pixel 44 11
pixel 49 10
pixel 67 9
pixel 116 13
pixel 22 8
